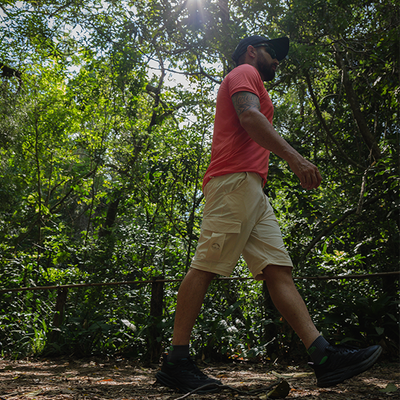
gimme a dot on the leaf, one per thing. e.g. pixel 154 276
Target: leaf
pixel 302 374
pixel 129 324
pixel 390 387
pixel 280 391
pixel 379 330
pixel 35 393
pixel 293 375
pixel 281 375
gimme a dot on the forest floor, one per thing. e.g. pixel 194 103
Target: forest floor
pixel 120 379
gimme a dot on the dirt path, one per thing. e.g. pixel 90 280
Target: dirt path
pixel 126 380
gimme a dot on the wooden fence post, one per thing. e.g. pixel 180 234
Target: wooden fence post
pixel 156 311
pixel 59 313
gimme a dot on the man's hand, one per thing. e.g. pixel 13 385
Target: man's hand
pixel 308 173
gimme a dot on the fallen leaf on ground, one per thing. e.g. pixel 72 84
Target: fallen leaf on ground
pixel 35 393
pixel 390 387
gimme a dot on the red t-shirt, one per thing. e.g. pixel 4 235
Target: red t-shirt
pixel 232 148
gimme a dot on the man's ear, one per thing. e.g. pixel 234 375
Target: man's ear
pixel 251 51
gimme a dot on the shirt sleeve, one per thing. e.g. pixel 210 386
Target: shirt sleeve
pixel 244 78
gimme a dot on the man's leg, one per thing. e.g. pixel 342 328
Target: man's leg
pixel 289 303
pixel 332 364
pixel 178 370
pixel 189 301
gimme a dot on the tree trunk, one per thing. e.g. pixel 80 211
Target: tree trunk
pixel 367 135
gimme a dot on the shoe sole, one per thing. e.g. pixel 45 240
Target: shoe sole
pixel 166 380
pixel 341 375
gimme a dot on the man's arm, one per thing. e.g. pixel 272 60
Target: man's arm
pixel 247 106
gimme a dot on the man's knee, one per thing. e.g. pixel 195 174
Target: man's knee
pixel 272 272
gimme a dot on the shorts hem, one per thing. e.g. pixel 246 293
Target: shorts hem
pixel 281 263
pixel 213 269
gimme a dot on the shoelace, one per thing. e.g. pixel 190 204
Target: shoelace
pixel 343 348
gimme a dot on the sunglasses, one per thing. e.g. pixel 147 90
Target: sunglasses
pixel 268 49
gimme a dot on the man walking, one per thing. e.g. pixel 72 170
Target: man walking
pixel 238 219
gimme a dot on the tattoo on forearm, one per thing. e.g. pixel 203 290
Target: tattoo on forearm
pixel 243 101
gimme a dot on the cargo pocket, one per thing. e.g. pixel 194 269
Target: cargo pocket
pixel 220 230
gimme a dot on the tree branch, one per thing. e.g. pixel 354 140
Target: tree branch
pixel 323 122
pixel 355 107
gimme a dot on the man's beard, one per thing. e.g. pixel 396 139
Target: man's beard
pixel 269 75
pixel 266 70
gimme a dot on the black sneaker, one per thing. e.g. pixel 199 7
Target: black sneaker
pixel 186 377
pixel 344 362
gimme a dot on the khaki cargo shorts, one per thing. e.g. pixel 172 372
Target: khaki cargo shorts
pixel 238 219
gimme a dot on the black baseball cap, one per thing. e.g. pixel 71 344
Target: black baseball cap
pixel 280 45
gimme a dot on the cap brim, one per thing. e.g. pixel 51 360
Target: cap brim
pixel 281 47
